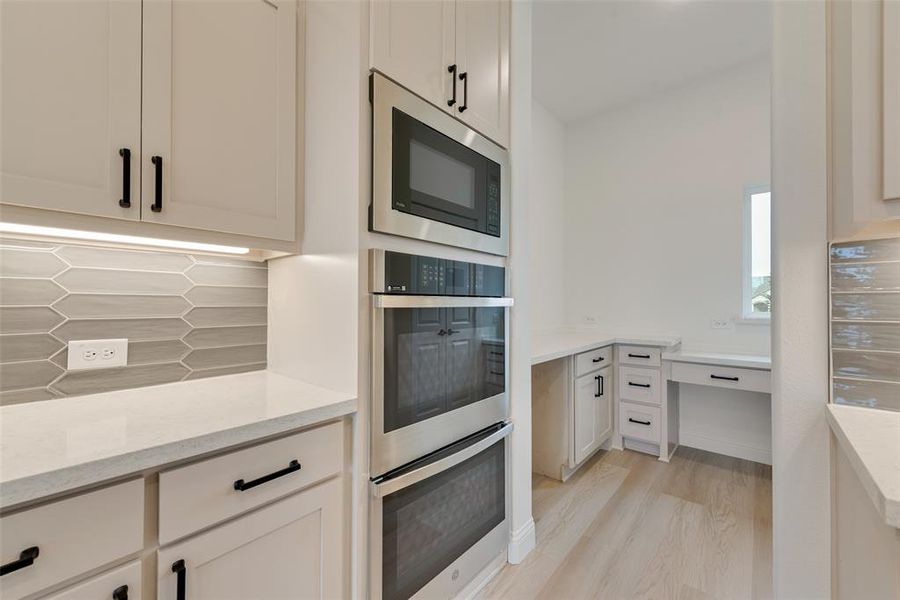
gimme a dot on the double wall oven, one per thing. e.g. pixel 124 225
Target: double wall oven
pixel 440 408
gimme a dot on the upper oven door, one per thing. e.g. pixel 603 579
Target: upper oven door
pixel 439 373
pixel 433 178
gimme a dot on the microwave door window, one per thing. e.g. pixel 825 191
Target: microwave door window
pixel 435 174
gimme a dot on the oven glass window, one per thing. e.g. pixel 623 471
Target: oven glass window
pixel 427 526
pixel 436 174
pixel 440 359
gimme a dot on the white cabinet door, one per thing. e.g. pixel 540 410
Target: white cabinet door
pixel 220 112
pixel 291 549
pixel 482 53
pixel 70 100
pixel 592 416
pixel 413 44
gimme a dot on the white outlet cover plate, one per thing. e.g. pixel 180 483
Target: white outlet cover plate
pixel 80 352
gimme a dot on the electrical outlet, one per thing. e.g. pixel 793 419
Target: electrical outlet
pixel 721 323
pixel 97 354
pixel 590 319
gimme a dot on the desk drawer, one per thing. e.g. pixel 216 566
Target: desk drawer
pixel 736 378
pixel 639 422
pixel 204 493
pixel 641 385
pixel 639 355
pixel 72 536
pixel 592 360
pixel 101 587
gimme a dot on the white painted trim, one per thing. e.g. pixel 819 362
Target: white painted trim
pixel 726 447
pixel 891 100
pixel 483 578
pixel 747 314
pixel 521 542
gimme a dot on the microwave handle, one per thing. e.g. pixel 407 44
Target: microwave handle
pixel 410 301
pixel 389 486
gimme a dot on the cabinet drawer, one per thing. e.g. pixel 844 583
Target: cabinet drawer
pixel 737 378
pixel 639 422
pixel 639 355
pixel 205 493
pixel 72 536
pixel 102 586
pixel 639 384
pixel 592 360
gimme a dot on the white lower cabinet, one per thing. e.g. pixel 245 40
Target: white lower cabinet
pixel 123 583
pixel 290 549
pixel 593 412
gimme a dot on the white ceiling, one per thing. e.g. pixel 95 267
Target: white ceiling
pixel 594 55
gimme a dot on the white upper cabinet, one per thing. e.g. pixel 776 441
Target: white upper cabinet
pixel 412 43
pixel 482 56
pixel 453 54
pixel 219 116
pixel 70 101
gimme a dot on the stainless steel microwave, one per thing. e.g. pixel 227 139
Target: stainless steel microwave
pixel 434 178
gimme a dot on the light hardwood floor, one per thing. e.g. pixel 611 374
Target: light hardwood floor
pixel 628 526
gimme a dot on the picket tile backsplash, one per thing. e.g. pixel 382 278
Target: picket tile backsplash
pixel 865 323
pixel 185 316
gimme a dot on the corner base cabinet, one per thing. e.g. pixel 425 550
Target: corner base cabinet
pixel 290 549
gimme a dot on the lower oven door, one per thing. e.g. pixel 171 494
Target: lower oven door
pixel 437 523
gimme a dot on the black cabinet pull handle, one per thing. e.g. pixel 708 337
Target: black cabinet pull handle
pixel 640 385
pixel 125 202
pixel 601 384
pixel 26 559
pixel 120 593
pixel 451 331
pixel 442 332
pixel 464 77
pixel 630 355
pixel 598 359
pixel 724 378
pixel 639 422
pixel 496 373
pixel 157 200
pixel 242 486
pixel 452 70
pixel 181 586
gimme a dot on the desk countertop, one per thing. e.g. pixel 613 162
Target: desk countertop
pixel 550 346
pixel 723 360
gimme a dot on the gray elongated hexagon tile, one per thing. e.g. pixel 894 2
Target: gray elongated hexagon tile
pixel 78 279
pixel 110 306
pixel 28 319
pixel 876 306
pixel 29 292
pixel 203 295
pixel 883 366
pixel 133 329
pixel 202 374
pixel 16 262
pixel 868 250
pixel 867 277
pixel 22 396
pixel 232 276
pixel 105 380
pixel 29 346
pixel 226 316
pixel 234 355
pixel 132 260
pixel 217 337
pixel 25 375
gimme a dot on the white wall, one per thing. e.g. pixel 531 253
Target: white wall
pixel 652 233
pixel 654 193
pixel 547 220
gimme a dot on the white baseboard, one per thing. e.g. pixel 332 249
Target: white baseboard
pixel 521 542
pixel 726 447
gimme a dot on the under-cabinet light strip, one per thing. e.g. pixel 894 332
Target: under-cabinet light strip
pixel 115 238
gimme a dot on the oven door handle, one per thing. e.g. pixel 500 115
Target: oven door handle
pixel 389 486
pixel 391 301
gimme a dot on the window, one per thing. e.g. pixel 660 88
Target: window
pixel 757 253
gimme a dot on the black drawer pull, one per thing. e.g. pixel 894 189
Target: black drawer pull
pixel 26 559
pixel 598 359
pixel 157 201
pixel 452 70
pixel 120 593
pixel 125 202
pixel 630 355
pixel 464 77
pixel 638 421
pixel 724 378
pixel 181 585
pixel 640 385
pixel 242 486
pixel 601 384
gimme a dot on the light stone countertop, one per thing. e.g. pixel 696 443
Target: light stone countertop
pixel 871 440
pixel 54 446
pixel 723 360
pixel 550 346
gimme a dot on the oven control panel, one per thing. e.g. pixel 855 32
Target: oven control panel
pixel 399 273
